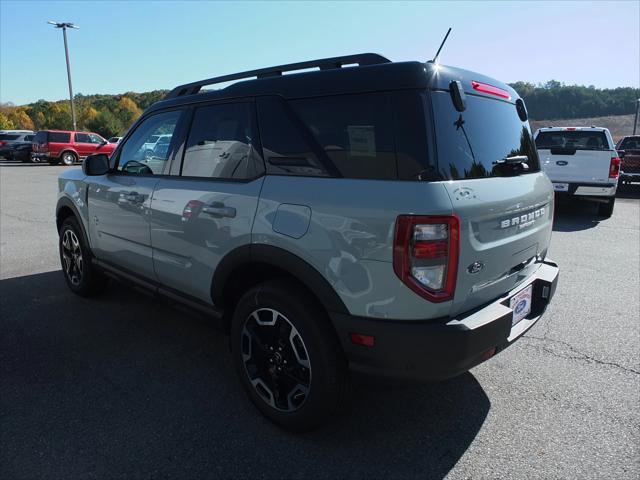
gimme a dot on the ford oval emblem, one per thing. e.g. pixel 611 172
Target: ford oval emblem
pixel 520 306
pixel 475 267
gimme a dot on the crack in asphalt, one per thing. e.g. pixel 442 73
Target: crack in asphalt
pixel 579 355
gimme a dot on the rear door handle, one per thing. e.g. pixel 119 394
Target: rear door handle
pixel 219 210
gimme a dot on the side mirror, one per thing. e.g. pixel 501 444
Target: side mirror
pixel 621 153
pixel 97 164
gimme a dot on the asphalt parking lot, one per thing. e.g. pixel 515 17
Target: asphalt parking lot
pixel 125 386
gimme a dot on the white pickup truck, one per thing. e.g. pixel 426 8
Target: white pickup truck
pixel 581 162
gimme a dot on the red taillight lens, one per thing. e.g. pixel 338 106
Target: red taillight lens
pixel 425 254
pixel 2 142
pixel 614 167
pixel 490 89
pixel 361 339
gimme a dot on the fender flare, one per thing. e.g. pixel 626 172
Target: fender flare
pixel 304 272
pixel 65 202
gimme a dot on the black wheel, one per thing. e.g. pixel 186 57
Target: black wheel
pixel 606 209
pixel 69 158
pixel 79 273
pixel 289 359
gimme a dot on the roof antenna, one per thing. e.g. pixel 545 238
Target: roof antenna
pixel 435 59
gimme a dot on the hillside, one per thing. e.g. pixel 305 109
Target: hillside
pixel 618 125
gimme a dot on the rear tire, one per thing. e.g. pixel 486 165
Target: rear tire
pixel 287 356
pixel 606 209
pixel 80 274
pixel 69 158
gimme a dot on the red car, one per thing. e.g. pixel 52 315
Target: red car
pixel 68 147
pixel 629 152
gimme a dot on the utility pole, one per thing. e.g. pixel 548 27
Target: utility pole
pixel 635 120
pixel 64 26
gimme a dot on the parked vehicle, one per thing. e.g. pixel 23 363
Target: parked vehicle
pixel 629 153
pixel 55 146
pixel 581 162
pixel 156 141
pixel 12 145
pixel 389 218
pixel 115 139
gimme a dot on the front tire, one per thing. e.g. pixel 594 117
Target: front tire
pixel 69 158
pixel 81 276
pixel 606 209
pixel 288 358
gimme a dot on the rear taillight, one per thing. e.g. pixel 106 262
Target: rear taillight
pixel 614 167
pixel 2 142
pixel 425 254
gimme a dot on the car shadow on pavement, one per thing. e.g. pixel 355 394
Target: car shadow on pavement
pixel 123 386
pixel 16 163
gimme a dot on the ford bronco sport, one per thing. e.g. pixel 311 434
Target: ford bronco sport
pixel 385 218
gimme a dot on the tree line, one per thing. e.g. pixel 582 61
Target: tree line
pixel 112 115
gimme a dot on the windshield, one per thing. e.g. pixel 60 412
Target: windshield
pixel 475 143
pixel 578 140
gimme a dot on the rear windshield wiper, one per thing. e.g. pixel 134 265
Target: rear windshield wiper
pixel 515 160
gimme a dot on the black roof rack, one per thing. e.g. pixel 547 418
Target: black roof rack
pixel 323 64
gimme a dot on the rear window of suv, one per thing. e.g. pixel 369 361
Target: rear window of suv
pixel 471 144
pixel 8 136
pixel 578 140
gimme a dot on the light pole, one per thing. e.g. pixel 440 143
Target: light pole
pixel 635 119
pixel 64 26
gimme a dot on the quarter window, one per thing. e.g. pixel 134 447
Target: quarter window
pixel 221 143
pixel 142 153
pixel 355 132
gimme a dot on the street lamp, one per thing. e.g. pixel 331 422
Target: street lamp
pixel 64 26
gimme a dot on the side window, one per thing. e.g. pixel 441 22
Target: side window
pixel 288 148
pixel 93 138
pixel 81 138
pixel 139 154
pixel 221 143
pixel 355 131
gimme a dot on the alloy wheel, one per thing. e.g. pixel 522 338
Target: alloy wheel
pixel 276 360
pixel 72 257
pixel 68 159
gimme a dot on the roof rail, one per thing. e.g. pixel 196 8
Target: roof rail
pixel 323 64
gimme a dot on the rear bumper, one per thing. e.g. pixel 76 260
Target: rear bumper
pixel 435 350
pixel 588 189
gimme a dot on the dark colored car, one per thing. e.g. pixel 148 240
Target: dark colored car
pixel 55 146
pixel 629 151
pixel 10 140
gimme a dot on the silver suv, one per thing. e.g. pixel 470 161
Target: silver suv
pixel 385 218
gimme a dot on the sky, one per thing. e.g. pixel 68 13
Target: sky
pixel 126 46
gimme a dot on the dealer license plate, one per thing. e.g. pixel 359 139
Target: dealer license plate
pixel 521 304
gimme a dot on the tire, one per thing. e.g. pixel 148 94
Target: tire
pixel 606 209
pixel 80 274
pixel 68 158
pixel 293 371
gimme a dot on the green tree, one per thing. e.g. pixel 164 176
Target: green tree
pixel 106 124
